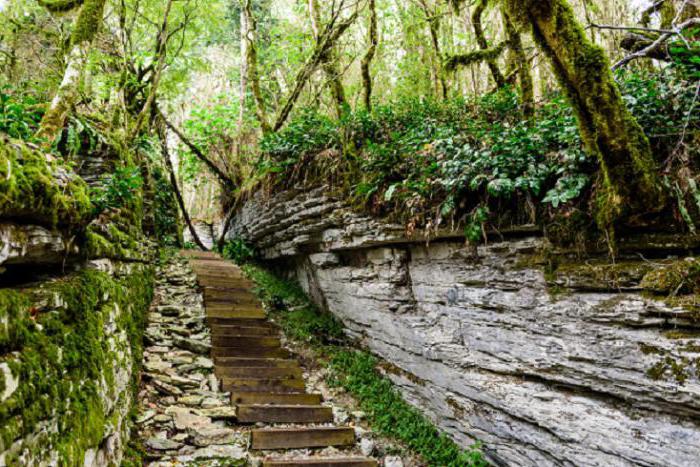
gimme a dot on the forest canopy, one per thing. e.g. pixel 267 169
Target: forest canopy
pixel 577 115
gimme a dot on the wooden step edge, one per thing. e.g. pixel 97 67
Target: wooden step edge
pixel 273 398
pixel 297 438
pixel 253 413
pixel 243 362
pixel 322 462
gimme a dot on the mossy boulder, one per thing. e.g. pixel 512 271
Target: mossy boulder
pixel 41 188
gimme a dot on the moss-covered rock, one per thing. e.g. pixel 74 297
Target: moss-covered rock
pixel 72 346
pixel 38 187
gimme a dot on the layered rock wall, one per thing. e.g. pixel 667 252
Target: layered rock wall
pixel 75 285
pixel 547 359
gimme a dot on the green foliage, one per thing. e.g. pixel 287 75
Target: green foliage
pixel 298 316
pixel 391 415
pixel 238 251
pixel 119 190
pixel 19 114
pixel 356 371
pixel 167 225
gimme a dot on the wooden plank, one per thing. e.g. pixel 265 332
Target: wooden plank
pixel 259 372
pixel 321 462
pixel 262 384
pixel 236 313
pixel 245 341
pixel 259 321
pixel 275 398
pixel 237 362
pixel 248 413
pixel 296 438
pixel 255 352
pixel 224 330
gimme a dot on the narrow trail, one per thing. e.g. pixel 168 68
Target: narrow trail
pixel 219 387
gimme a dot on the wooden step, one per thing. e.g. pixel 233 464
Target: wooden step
pixel 256 322
pixel 259 372
pixel 246 413
pixel 239 362
pixel 245 341
pixel 255 352
pixel 200 254
pixel 295 438
pixel 224 330
pixel 275 398
pixel 231 312
pixel 262 384
pixel 321 462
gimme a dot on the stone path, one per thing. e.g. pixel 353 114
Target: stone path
pixel 220 389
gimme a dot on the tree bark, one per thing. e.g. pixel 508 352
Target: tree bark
pixel 329 63
pixel 251 58
pixel 84 31
pixel 197 152
pixel 630 182
pixel 173 182
pixel 522 66
pixel 159 58
pixel 369 56
pixel 327 40
pixel 483 44
pixel 434 29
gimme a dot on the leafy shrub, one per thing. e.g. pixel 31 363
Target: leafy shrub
pixel 238 251
pixel 19 115
pixel 119 190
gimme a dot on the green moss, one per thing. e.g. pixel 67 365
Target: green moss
pixel 88 22
pixel 64 360
pixel 678 277
pixel 29 188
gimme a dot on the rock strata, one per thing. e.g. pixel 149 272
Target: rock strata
pixel 574 367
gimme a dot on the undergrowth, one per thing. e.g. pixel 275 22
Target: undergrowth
pixel 356 372
pixel 465 163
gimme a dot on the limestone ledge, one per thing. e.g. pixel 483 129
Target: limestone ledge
pixel 570 367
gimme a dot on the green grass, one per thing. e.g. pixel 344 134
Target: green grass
pixel 356 372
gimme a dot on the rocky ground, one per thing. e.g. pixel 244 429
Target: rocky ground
pixel 183 416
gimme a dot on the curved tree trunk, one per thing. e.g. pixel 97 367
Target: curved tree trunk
pixel 522 67
pixel 251 58
pixel 173 182
pixel 84 31
pixel 630 180
pixel 483 44
pixel 369 56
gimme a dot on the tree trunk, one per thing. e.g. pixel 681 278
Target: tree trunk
pixel 369 56
pixel 173 182
pixel 252 65
pixel 329 64
pixel 84 31
pixel 630 182
pixel 483 44
pixel 326 42
pixel 522 67
pixel 244 70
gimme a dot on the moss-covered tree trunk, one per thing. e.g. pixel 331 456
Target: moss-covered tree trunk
pixel 478 12
pixel 630 184
pixel 84 31
pixel 369 56
pixel 521 66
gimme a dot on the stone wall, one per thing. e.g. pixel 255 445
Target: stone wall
pixel 573 366
pixel 74 289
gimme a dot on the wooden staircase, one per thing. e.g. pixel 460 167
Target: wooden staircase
pixel 265 380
